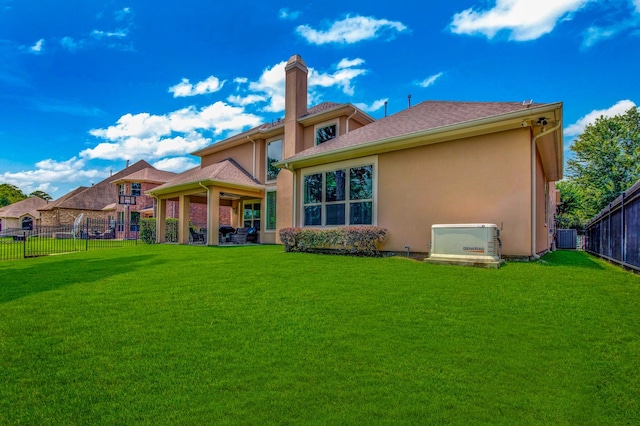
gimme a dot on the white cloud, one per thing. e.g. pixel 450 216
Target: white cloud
pixel 48 171
pixel 376 105
pixel 175 164
pixel 636 3
pixel 122 14
pixel 352 29
pixel 271 85
pixel 429 81
pixel 246 100
pixel 524 19
pixel 346 71
pixel 121 33
pixel 70 44
pixel 177 133
pixel 185 88
pixel 38 47
pixel 578 127
pixel 349 63
pixel 287 14
pixel 595 34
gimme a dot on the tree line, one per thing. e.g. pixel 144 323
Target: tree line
pixel 10 194
pixel 606 162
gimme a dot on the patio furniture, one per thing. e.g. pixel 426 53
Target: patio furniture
pixel 196 236
pixel 240 237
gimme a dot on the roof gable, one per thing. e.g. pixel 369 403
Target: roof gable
pixel 18 209
pixel 224 172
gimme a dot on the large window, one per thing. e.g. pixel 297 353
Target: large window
pixel 339 197
pixel 271 211
pixel 274 154
pixel 326 131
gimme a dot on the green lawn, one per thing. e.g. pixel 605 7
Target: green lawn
pixel 168 334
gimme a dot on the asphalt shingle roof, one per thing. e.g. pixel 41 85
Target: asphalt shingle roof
pixel 421 117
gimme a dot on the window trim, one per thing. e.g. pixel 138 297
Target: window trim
pixel 266 156
pixel 330 167
pixel 327 123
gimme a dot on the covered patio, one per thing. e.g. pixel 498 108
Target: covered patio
pixel 223 184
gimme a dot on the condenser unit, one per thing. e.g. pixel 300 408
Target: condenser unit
pixel 466 244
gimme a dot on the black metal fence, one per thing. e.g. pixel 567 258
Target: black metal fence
pixel 89 234
pixel 613 233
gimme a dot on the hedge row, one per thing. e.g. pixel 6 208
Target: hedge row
pixel 353 240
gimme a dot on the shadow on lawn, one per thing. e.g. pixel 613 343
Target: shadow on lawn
pixel 18 282
pixel 578 259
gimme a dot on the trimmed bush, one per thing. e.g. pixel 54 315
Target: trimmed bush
pixel 148 230
pixel 352 240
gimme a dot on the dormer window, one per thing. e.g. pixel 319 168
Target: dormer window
pixel 326 131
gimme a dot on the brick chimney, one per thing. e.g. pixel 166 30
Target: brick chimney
pixel 295 104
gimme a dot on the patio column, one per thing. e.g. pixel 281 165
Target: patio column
pixel 183 220
pixel 161 220
pixel 214 216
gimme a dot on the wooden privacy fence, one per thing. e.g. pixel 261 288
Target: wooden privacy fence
pixel 88 234
pixel 613 233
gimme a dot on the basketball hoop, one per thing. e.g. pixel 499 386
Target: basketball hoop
pixel 128 200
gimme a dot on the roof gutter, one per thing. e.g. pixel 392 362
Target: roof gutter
pixel 533 186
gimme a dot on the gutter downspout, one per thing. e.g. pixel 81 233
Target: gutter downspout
pixel 533 187
pixel 254 156
pixel 349 118
pixel 209 230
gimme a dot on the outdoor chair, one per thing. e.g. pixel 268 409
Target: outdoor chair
pixel 196 236
pixel 240 237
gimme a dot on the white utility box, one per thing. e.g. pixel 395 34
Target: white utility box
pixel 466 244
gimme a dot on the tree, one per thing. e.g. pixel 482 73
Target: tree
pixel 41 194
pixel 10 194
pixel 607 160
pixel 569 213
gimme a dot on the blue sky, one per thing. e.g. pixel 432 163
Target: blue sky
pixel 86 85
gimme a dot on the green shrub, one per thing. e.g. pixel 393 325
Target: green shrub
pixel 148 230
pixel 353 240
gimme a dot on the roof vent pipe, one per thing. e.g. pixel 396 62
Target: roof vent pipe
pixel 409 100
pixel 385 108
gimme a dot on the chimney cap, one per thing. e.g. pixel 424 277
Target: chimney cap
pixel 296 61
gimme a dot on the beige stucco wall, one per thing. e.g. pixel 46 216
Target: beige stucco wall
pixel 483 179
pixel 243 155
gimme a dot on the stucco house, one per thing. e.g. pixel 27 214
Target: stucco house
pixel 334 165
pixel 21 215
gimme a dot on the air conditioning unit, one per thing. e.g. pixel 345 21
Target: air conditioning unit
pixel 466 244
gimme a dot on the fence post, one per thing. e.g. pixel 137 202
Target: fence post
pixel 86 235
pixel 24 244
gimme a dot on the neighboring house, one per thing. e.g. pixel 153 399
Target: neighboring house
pixel 21 215
pixel 334 165
pixel 90 201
